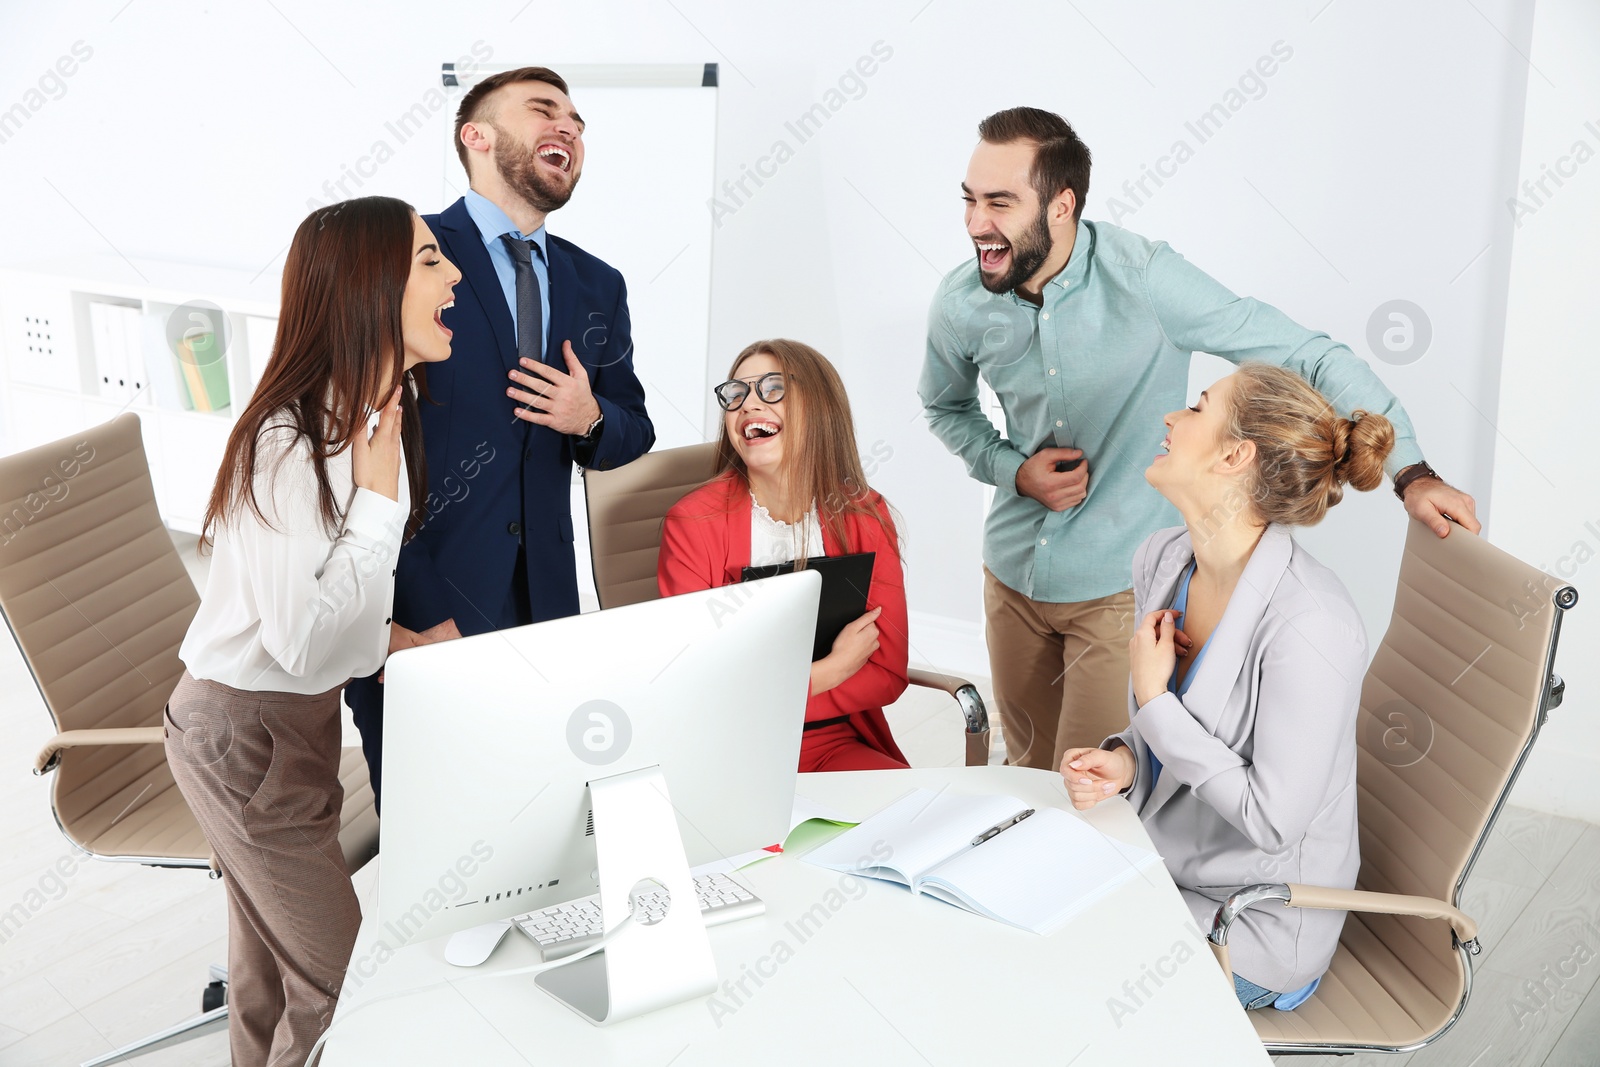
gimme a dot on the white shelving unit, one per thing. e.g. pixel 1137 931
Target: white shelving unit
pixel 49 384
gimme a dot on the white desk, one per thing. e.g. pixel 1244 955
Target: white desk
pixel 877 976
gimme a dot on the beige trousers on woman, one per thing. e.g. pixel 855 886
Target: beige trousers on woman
pixel 260 771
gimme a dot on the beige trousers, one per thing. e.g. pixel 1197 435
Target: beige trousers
pixel 1060 671
pixel 260 771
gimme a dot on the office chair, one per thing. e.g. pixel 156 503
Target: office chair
pixel 93 591
pixel 1450 709
pixel 626 506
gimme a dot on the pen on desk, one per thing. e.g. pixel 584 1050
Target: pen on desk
pixel 1006 825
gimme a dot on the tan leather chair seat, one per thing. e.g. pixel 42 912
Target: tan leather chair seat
pixel 1370 996
pixel 146 818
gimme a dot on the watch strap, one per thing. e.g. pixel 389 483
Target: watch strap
pixel 1404 478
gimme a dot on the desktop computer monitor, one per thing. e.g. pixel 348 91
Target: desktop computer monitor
pixel 490 743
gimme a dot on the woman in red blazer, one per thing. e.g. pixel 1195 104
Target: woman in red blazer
pixel 790 486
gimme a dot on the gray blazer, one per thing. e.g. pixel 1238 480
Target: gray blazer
pixel 1258 779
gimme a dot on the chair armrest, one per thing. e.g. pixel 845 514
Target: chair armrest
pixel 1293 895
pixel 936 680
pixel 965 693
pixel 50 754
pixel 1462 925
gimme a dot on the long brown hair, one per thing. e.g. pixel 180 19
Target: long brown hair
pixel 1306 452
pixel 339 339
pixel 822 465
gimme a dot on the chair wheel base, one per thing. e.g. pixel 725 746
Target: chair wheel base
pixel 214 997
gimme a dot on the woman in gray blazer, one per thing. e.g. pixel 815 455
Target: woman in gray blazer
pixel 1247 664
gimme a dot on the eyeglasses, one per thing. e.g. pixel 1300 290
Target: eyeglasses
pixel 732 393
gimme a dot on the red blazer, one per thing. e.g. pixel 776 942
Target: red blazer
pixel 705 542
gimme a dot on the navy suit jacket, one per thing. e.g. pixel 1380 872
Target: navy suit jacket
pixel 493 479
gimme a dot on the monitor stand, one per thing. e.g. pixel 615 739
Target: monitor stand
pixel 650 965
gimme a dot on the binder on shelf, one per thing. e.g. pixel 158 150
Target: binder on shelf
pixel 202 359
pixel 161 365
pixel 192 383
pixel 121 384
pixel 137 389
pixel 101 340
pixel 205 369
pixel 118 363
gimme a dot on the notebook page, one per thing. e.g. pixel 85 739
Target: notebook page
pixel 914 834
pixel 1040 873
pixel 805 811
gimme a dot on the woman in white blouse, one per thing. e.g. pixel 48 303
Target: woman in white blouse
pixel 306 519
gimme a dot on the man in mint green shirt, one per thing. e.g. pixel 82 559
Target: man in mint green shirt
pixel 1084 332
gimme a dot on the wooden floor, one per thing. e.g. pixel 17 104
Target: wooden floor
pixel 109 953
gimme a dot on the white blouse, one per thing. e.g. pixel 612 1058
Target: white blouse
pixel 286 608
pixel 775 541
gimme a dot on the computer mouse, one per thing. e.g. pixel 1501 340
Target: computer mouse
pixel 468 948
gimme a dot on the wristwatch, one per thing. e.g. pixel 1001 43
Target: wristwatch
pixel 1404 478
pixel 594 428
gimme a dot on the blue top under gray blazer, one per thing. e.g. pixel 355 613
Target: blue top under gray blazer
pixel 1258 779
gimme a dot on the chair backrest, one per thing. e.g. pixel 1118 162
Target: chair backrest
pixel 626 506
pixel 1450 707
pixel 97 598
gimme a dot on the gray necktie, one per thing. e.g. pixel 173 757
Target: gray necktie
pixel 530 312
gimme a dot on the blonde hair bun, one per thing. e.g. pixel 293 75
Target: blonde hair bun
pixel 1306 452
pixel 1363 442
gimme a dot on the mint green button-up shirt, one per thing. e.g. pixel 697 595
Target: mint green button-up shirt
pixel 1095 368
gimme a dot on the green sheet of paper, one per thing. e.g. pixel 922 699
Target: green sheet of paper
pixel 807 836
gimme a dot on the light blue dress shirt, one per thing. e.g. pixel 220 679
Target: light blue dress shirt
pixel 1096 368
pixel 492 224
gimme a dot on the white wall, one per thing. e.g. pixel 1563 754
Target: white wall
pixel 1372 165
pixel 1546 490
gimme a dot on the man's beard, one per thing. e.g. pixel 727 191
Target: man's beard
pixel 519 167
pixel 1027 255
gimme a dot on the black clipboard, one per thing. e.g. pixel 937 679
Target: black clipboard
pixel 845 581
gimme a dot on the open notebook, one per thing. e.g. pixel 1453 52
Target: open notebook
pixel 1035 874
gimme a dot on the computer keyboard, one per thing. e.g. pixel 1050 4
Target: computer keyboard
pixel 562 929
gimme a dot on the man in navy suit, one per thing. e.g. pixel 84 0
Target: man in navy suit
pixel 540 377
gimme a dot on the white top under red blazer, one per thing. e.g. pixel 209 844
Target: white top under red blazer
pixel 287 608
